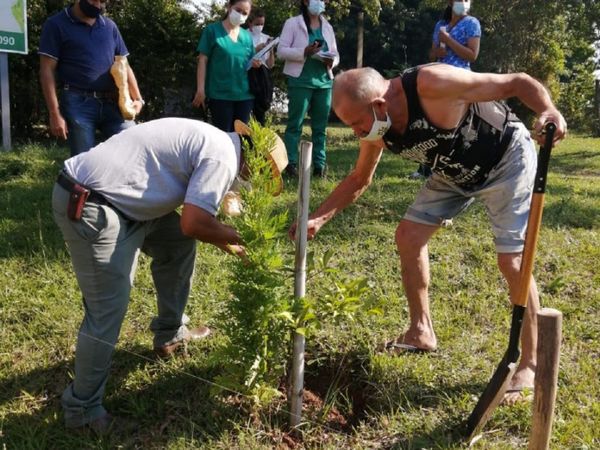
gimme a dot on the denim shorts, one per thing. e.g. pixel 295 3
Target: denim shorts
pixel 506 195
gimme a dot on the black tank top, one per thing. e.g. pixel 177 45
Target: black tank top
pixel 464 155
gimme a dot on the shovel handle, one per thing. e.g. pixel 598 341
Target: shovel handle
pixel 541 174
pixel 535 216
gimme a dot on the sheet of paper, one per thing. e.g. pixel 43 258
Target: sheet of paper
pixel 262 52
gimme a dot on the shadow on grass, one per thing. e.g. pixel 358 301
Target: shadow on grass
pixel 345 381
pixel 26 225
pixel 177 407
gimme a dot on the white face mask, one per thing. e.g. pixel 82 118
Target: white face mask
pixel 257 29
pixel 237 18
pixel 379 128
pixel 316 7
pixel 461 8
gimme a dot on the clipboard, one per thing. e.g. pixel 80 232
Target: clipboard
pixel 266 49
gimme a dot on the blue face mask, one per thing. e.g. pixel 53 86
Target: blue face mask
pixel 461 8
pixel 316 7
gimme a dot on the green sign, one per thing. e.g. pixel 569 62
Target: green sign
pixel 13 26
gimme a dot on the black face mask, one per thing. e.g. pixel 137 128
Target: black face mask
pixel 90 10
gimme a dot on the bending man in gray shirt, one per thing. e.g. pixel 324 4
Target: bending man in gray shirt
pixel 119 199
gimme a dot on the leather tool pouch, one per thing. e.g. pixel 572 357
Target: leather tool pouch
pixel 77 199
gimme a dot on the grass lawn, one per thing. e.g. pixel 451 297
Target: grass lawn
pixel 362 399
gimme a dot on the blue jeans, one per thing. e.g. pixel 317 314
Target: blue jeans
pixel 86 114
pixel 225 112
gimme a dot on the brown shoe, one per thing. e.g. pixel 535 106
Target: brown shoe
pixel 100 426
pixel 169 349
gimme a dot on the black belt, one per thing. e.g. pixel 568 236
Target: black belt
pixel 107 95
pixel 66 182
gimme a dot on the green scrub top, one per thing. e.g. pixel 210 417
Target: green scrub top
pixel 314 73
pixel 226 75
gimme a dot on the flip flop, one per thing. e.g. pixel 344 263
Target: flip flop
pixel 524 395
pixel 398 348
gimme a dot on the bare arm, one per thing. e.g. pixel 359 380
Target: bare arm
pixel 200 81
pixel 199 224
pixel 446 91
pixel 346 193
pixel 468 52
pixel 134 90
pixel 58 126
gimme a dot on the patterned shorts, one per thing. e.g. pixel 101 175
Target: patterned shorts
pixel 506 195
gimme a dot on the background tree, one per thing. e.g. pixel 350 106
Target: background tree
pixel 551 40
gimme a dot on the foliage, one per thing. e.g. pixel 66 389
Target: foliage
pixel 549 40
pixel 253 319
pixel 160 35
pixel 262 313
pixel 577 98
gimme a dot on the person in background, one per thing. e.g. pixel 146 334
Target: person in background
pixel 456 39
pixel 78 46
pixel 456 36
pixel 225 48
pixel 307 45
pixel 256 25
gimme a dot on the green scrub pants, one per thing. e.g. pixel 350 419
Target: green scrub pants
pixel 318 102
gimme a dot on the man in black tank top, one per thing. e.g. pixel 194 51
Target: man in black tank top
pixel 452 120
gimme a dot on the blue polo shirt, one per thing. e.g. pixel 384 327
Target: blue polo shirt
pixel 84 53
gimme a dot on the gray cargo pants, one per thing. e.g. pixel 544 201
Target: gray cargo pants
pixel 104 248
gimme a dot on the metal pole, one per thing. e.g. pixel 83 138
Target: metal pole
pixel 6 145
pixel 297 390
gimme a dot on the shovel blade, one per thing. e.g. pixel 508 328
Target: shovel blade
pixel 490 399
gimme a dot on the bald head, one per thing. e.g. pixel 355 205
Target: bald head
pixel 359 86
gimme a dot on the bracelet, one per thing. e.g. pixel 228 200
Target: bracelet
pixel 141 100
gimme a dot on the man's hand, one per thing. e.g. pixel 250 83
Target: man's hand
pixel 137 105
pixel 554 116
pixel 313 227
pixel 58 126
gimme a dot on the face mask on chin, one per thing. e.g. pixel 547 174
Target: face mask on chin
pixel 236 18
pixel 379 127
pixel 316 7
pixel 461 8
pixel 89 10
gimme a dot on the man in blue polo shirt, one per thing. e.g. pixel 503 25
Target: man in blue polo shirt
pixel 77 49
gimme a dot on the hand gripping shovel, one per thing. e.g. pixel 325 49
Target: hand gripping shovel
pixel 498 384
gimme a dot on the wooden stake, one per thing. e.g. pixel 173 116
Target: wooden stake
pixel 546 377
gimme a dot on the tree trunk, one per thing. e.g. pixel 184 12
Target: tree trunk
pixel 360 33
pixel 596 128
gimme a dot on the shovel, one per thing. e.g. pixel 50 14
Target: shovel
pixel 498 384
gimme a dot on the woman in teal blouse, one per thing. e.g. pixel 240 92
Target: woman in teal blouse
pixel 224 51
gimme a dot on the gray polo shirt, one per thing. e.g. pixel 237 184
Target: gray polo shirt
pixel 150 169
